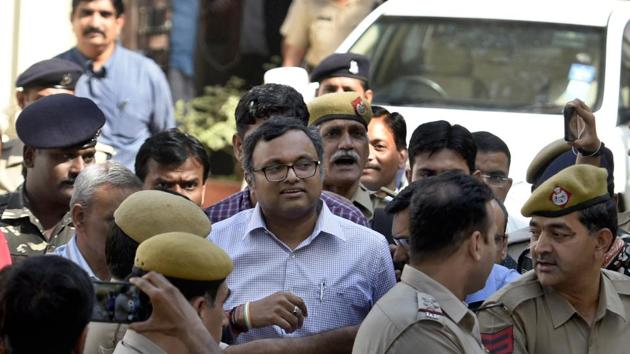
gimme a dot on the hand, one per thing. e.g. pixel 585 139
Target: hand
pixel 172 315
pixel 277 309
pixel 588 139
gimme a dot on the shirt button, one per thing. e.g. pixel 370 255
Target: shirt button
pixel 292 255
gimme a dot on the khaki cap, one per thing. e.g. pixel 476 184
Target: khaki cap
pixel 150 212
pixel 575 188
pixel 544 157
pixel 183 256
pixel 341 105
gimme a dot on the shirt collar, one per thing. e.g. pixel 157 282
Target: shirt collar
pixel 561 310
pixel 325 224
pixel 450 304
pixel 107 67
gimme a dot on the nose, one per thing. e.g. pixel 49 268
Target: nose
pixel 372 155
pixel 78 164
pixel 291 176
pixel 177 189
pixel 541 245
pixel 345 142
pixel 400 254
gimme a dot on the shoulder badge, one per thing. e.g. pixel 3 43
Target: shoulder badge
pixel 500 342
pixel 560 196
pixel 429 307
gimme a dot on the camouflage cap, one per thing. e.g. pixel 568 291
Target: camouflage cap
pixel 183 256
pixel 150 212
pixel 572 189
pixel 339 105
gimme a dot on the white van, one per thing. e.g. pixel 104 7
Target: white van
pixel 507 67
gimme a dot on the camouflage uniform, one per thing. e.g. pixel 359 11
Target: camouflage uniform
pixel 24 232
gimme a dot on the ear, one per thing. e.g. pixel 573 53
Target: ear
pixel 249 179
pixel 237 145
pixel 198 303
pixel 29 156
pixel 78 216
pixel 120 22
pixel 408 174
pixel 509 185
pixel 20 98
pixel 474 245
pixel 403 154
pixel 203 192
pixel 368 95
pixel 603 240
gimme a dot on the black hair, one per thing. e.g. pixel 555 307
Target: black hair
pixel 120 252
pixel 46 305
pixel 488 142
pixel 444 211
pixel 274 128
pixel 190 288
pixel 600 216
pixel 434 136
pixel 171 148
pixel 402 199
pixel 266 101
pixel 395 123
pixel 119 6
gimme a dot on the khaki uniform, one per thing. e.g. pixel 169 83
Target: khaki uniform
pixel 362 200
pixel 136 343
pixel 418 315
pixel 321 25
pixel 103 337
pixel 525 317
pixel 24 232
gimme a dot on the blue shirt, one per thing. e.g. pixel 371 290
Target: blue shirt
pixel 499 277
pixel 340 270
pixel 183 35
pixel 134 95
pixel 71 251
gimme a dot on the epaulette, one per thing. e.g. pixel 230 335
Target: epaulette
pixel 514 294
pixel 428 308
pixel 620 281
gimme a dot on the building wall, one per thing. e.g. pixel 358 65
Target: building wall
pixel 30 31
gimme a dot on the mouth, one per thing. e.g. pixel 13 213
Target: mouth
pixel 545 266
pixel 345 161
pixel 292 192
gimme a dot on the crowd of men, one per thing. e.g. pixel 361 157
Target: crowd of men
pixel 345 238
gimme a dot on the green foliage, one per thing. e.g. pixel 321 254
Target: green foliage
pixel 210 117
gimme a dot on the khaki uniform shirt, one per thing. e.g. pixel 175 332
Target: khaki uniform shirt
pixel 418 315
pixel 24 232
pixel 321 25
pixel 136 343
pixel 525 317
pixel 102 337
pixel 362 200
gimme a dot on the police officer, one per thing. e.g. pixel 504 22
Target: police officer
pixel 342 119
pixel 342 72
pixel 451 253
pixel 568 303
pixel 59 134
pixel 198 269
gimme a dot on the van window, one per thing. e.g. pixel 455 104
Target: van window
pixel 500 65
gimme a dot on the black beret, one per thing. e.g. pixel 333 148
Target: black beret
pixel 351 65
pixel 60 121
pixel 57 73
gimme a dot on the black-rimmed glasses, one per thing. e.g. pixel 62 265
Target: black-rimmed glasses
pixel 279 172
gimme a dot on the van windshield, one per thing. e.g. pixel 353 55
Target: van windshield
pixel 483 64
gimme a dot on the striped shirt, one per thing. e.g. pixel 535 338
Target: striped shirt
pixel 240 201
pixel 340 270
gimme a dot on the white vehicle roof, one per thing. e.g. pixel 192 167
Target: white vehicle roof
pixel 591 13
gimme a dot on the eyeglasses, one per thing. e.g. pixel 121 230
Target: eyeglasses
pixel 496 180
pixel 278 173
pixel 401 241
pixel 500 238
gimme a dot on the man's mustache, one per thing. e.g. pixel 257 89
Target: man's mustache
pixel 345 154
pixel 93 30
